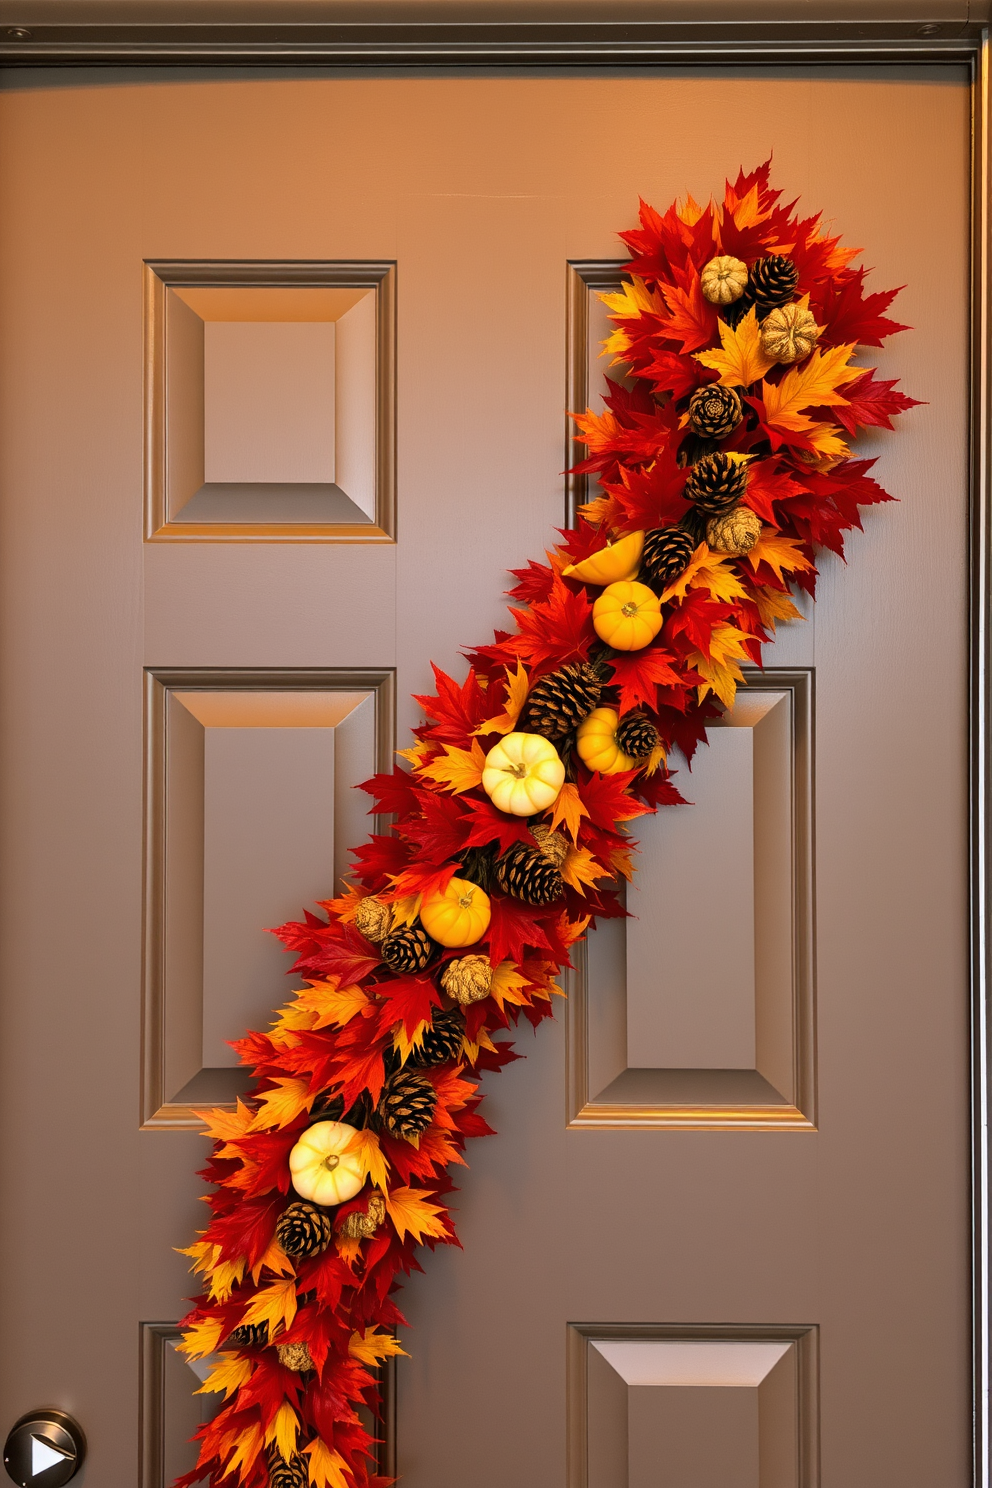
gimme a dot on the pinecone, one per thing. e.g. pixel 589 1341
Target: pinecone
pixel 735 313
pixel 407 1103
pixel 772 282
pixel 249 1335
pixel 715 411
pixel 292 1474
pixel 359 1226
pixel 442 1039
pixel 467 979
pixel 525 872
pixel 408 949
pixel 717 483
pixel 667 551
pixel 373 919
pixel 737 532
pixel 552 844
pixel 304 1230
pixel 637 736
pixel 295 1356
pixel 560 701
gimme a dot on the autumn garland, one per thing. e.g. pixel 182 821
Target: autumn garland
pixel 724 463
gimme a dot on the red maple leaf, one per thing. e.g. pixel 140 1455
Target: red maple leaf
pixel 440 828
pixel 393 794
pixel 533 582
pixel 514 926
pixel 848 314
pixel 639 674
pixel 490 825
pixel 558 629
pixel 871 404
pixel 607 799
pixel 456 710
pixel 652 498
pixel 693 319
pixel 768 483
pixel 408 1000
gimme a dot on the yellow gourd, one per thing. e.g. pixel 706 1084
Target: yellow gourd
pixel 596 742
pixel 322 1168
pixel 523 774
pixel 619 560
pixel 626 616
pixel 458 916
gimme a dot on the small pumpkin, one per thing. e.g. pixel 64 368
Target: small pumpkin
pixel 789 333
pixel 596 742
pixel 723 280
pixel 619 560
pixel 457 916
pixel 323 1169
pixel 523 773
pixel 627 616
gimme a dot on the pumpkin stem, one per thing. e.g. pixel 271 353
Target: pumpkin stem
pixel 518 770
pixel 629 609
pixel 331 1161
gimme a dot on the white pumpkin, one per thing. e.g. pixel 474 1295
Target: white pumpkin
pixel 523 774
pixel 323 1170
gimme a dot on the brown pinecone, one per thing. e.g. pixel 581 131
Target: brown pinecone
pixel 772 281
pixel 714 411
pixel 637 736
pixel 304 1230
pixel 249 1335
pixel 442 1039
pixel 560 701
pixel 408 949
pixel 373 919
pixel 407 1103
pixel 292 1474
pixel 359 1226
pixel 467 979
pixel 735 313
pixel 717 483
pixel 667 551
pixel 295 1356
pixel 525 873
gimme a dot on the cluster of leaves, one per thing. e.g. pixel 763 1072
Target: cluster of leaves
pixel 355 1019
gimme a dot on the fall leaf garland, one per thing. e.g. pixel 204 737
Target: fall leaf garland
pixel 724 463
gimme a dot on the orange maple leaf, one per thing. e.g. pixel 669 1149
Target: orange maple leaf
pixel 457 769
pixel 568 808
pixel 413 1215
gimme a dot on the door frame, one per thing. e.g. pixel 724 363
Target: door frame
pixel 263 37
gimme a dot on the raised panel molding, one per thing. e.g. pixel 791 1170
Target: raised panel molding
pixel 270 401
pixel 250 814
pixel 692 1406
pixel 700 1010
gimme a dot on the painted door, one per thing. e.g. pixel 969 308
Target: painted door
pixel 285 365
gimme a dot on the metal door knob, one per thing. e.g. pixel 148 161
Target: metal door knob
pixel 44 1449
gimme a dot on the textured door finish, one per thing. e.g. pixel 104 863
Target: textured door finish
pixel 749 1133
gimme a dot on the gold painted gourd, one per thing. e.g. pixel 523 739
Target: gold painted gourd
pixel 596 742
pixel 323 1170
pixel 458 915
pixel 723 280
pixel 523 773
pixel 627 616
pixel 789 333
pixel 619 560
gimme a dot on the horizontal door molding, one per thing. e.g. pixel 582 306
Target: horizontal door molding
pixel 251 810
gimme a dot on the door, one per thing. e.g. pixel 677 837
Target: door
pixel 734 1253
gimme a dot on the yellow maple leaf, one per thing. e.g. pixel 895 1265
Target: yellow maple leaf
pixel 327 1468
pixel 773 605
pixel 457 769
pixel 225 1126
pixel 348 1247
pixel 346 904
pixel 276 1305
pixel 405 907
pixel 227 1376
pixel 416 753
pixel 630 302
pixel 282 1104
pixel 707 570
pixel 580 867
pixel 224 1276
pixel 276 1260
pixel 247 1445
pixel 371 1346
pixel 569 931
pixel 517 684
pixel 727 647
pixel 365 1144
pixel 569 809
pixel 689 211
pixel 779 553
pixel 471 1047
pixel 289 1020
pixel 597 511
pixel 201 1338
pixel 740 360
pixel 813 385
pixel 656 759
pixel 508 985
pixel 284 1428
pixel 413 1215
pixel 334 1006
